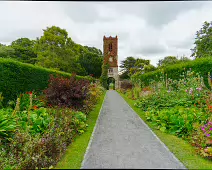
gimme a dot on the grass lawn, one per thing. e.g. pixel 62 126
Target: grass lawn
pixel 74 155
pixel 179 147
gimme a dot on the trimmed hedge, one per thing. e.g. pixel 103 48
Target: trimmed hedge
pixel 17 77
pixel 201 66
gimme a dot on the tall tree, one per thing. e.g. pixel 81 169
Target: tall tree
pixel 132 65
pixel 203 41
pixel 51 47
pixel 6 51
pixel 169 60
pixel 24 50
pixel 92 63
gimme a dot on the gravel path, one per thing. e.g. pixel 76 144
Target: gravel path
pixel 122 140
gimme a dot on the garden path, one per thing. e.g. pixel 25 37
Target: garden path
pixel 122 140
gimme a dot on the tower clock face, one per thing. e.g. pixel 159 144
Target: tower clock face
pixel 111 59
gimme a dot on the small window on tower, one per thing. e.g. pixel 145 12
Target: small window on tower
pixel 110 47
pixel 110 70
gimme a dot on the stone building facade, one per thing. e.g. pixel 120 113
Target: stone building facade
pixel 110 51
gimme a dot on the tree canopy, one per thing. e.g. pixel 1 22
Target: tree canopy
pixel 55 49
pixel 203 41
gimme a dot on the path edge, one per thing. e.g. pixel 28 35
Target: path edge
pixel 173 156
pixel 92 135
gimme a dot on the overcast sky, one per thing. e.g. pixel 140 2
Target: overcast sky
pixel 149 30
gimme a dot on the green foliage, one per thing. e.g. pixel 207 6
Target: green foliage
pixel 6 52
pixel 17 77
pixel 92 63
pixel 132 65
pixel 38 136
pixel 104 76
pixel 169 60
pixel 203 42
pixel 201 66
pixel 180 107
pixel 56 50
pixel 7 123
pixel 24 50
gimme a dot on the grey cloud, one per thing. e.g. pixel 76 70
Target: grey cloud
pixel 151 49
pixel 81 12
pixel 157 13
pixel 184 44
pixel 13 35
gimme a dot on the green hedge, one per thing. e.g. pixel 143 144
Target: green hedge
pixel 17 77
pixel 201 66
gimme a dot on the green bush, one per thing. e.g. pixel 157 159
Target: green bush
pixel 17 77
pixel 201 66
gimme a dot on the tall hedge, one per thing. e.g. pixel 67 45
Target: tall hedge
pixel 17 77
pixel 201 66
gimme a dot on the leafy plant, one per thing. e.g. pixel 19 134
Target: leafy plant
pixel 66 92
pixel 7 123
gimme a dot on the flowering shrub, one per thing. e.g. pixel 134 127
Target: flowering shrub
pixel 95 91
pixel 207 129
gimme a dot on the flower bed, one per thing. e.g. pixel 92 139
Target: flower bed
pixel 179 107
pixel 36 130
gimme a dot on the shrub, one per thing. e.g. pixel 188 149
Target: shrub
pixel 125 85
pixel 66 92
pixel 201 66
pixel 17 78
pixel 95 92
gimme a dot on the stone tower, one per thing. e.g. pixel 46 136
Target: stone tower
pixel 110 48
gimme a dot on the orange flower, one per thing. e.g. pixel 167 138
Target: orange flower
pixel 209 107
pixel 35 107
pixel 194 104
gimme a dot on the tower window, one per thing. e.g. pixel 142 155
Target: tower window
pixel 110 70
pixel 110 47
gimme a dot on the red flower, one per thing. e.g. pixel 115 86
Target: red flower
pixel 30 92
pixel 35 107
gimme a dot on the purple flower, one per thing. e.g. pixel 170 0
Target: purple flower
pixel 169 91
pixel 207 135
pixel 210 128
pixel 199 88
pixel 190 91
pixel 203 128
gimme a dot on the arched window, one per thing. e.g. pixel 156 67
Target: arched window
pixel 110 47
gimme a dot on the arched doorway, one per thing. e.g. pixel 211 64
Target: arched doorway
pixel 111 83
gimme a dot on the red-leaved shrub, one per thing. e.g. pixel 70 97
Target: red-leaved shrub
pixel 66 92
pixel 126 85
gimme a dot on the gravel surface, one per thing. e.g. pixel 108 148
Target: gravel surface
pixel 122 140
